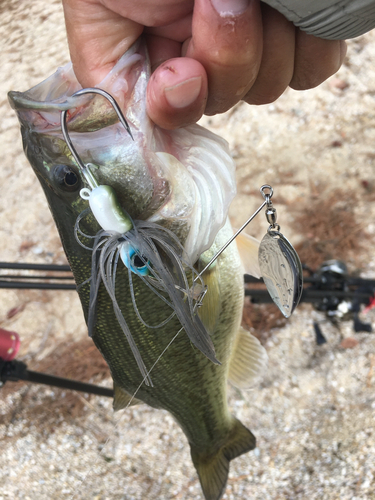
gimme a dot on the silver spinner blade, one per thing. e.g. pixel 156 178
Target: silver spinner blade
pixel 281 270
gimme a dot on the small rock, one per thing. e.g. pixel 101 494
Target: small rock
pixel 338 83
pixel 349 343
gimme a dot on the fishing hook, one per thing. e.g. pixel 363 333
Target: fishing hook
pixel 64 128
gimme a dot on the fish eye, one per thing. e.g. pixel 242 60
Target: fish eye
pixel 67 177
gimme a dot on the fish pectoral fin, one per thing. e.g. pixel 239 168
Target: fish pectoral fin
pixel 248 248
pixel 249 360
pixel 213 469
pixel 122 399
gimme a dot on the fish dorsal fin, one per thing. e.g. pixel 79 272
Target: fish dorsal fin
pixel 249 360
pixel 248 249
pixel 121 398
pixel 213 468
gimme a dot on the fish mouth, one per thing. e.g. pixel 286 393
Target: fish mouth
pixel 40 107
pixel 49 95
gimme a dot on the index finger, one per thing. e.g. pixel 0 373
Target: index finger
pixel 97 38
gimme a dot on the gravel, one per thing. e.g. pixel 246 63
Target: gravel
pixel 313 413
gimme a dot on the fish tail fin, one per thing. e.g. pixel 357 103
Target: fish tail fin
pixel 213 468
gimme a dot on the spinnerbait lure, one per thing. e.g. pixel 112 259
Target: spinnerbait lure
pixel 138 245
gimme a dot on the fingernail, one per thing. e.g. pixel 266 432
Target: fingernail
pixel 230 8
pixel 184 93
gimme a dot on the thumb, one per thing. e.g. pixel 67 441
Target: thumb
pixel 97 38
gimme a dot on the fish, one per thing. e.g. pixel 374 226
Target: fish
pixel 175 188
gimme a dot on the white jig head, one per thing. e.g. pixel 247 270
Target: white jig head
pixel 102 199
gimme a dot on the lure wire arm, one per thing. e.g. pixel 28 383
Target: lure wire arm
pixel 85 169
pixel 267 201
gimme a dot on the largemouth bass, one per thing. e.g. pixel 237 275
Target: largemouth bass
pixel 181 181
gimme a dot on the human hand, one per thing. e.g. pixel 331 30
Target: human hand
pixel 206 55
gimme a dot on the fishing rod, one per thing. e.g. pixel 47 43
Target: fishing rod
pixel 17 370
pixel 330 280
pixel 14 370
pixel 325 288
pixel 330 289
pixel 59 277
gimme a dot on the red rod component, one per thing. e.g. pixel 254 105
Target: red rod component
pixel 9 344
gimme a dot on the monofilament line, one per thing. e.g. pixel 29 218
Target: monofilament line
pixel 229 241
pixel 127 406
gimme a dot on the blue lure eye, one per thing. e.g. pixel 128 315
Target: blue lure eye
pixel 137 263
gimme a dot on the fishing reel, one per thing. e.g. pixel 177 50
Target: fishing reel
pixel 332 276
pixel 342 296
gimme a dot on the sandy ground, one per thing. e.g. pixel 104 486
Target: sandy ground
pixel 313 414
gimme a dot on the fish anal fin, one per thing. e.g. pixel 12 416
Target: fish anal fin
pixel 248 361
pixel 248 249
pixel 213 469
pixel 122 399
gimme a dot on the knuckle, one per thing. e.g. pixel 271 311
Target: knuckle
pixel 313 69
pixel 263 97
pixel 233 56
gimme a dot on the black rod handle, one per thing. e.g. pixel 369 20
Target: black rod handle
pixel 17 370
pixel 66 383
